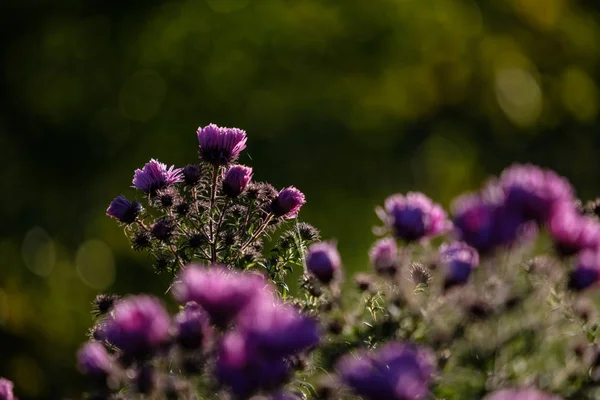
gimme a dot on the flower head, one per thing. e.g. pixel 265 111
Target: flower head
pixel 6 390
pixel 155 175
pixel 138 325
pixel 123 210
pixel 396 371
pixel 220 146
pixel 191 174
pixel 323 261
pixel 458 259
pixel 192 326
pixel 414 217
pixel 288 202
pixel 223 294
pixel 587 270
pixel 571 231
pixel 93 359
pixel 384 256
pixel 533 191
pixel 236 179
pixel 521 394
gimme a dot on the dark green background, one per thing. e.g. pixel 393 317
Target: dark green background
pixel 349 100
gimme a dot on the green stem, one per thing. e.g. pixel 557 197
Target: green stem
pixel 258 232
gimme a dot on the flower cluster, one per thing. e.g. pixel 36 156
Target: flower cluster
pixel 456 307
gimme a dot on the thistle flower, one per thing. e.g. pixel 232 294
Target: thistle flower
pixel 192 329
pixel 236 179
pixel 384 256
pixel 587 270
pixel 191 174
pixel 223 294
pixel 242 370
pixel 261 191
pixel 571 231
pixel 534 191
pixel 323 261
pixel 94 360
pixel 103 303
pixel 220 146
pixel 141 240
pixel 163 229
pixel 458 260
pixel 154 176
pixel 287 203
pixel 123 210
pixel 396 371
pixel 138 325
pixel 274 329
pixel 6 390
pixel 413 217
pixel 521 394
pixel 307 232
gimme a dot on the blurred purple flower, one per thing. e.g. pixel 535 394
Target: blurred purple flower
pixel 277 330
pixel 521 394
pixel 138 325
pixel 192 326
pixel 533 191
pixel 396 371
pixel 458 259
pixel 223 294
pixel 6 390
pixel 236 179
pixel 413 217
pixel 219 145
pixel 288 202
pixel 240 368
pixel 155 175
pixel 123 210
pixel 323 261
pixel 384 256
pixel 571 231
pixel 587 270
pixel 93 359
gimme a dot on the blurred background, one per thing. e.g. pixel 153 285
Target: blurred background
pixel 350 101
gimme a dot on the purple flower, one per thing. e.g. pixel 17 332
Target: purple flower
pixel 192 174
pixel 220 146
pixel 123 210
pixel 6 390
pixel 240 368
pixel 192 326
pixel 94 360
pixel 223 294
pixel 587 270
pixel 396 371
pixel 138 325
pixel 155 175
pixel 571 231
pixel 288 203
pixel 384 256
pixel 323 261
pixel 533 191
pixel 413 217
pixel 236 179
pixel 521 394
pixel 277 330
pixel 458 260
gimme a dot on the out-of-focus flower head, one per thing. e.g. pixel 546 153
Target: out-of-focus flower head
pixel 123 210
pixel 587 270
pixel 458 259
pixel 414 217
pixel 571 231
pixel 396 371
pixel 534 191
pixel 6 390
pixel 288 202
pixel 138 325
pixel 220 145
pixel 324 261
pixel 192 326
pixel 222 293
pixel 94 360
pixel 155 175
pixel 384 256
pixel 521 394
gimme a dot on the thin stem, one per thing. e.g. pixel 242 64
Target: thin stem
pixel 213 244
pixel 258 232
pixel 213 193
